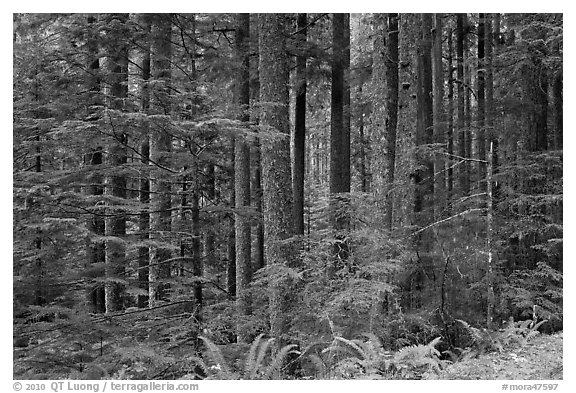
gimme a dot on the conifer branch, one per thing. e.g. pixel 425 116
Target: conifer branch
pixel 444 220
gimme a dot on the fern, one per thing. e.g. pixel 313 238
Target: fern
pixel 520 332
pixel 359 350
pixel 278 360
pixel 482 340
pixel 319 365
pixel 362 359
pixel 254 365
pixel 215 354
pixel 415 360
pixel 198 361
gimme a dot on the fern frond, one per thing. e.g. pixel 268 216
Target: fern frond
pixel 198 361
pixel 333 350
pixel 452 355
pixel 415 358
pixel 524 324
pixel 278 360
pixel 535 327
pixel 360 351
pixel 216 356
pixel 318 364
pixel 260 358
pixel 404 353
pixel 374 344
pixel 432 346
pixel 251 358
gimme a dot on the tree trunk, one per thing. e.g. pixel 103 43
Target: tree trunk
pixel 558 107
pixel 392 109
pixel 423 208
pixel 481 117
pixel 160 146
pixel 300 129
pixel 491 301
pixel 96 248
pixel 493 136
pixel 231 236
pixel 144 193
pixel 339 142
pixel 537 89
pixel 276 168
pixel 144 226
pixel 460 124
pixel 256 185
pixel 439 116
pixel 242 174
pixel 407 108
pixel 197 265
pixel 346 179
pixel 210 248
pixel 116 68
pixel 450 120
pixel 379 114
pixel 467 106
pixel 364 184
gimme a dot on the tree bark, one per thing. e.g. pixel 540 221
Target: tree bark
pixel 339 142
pixel 231 235
pixel 392 109
pixel 537 89
pixel 467 104
pixel 210 248
pixel 423 209
pixel 276 169
pixel 491 301
pixel 558 108
pixel 346 178
pixel 407 108
pixel 116 91
pixel 242 174
pixel 256 185
pixel 460 124
pixel 160 146
pixel 493 137
pixel 144 193
pixel 95 248
pixel 197 263
pixel 450 119
pixel 380 114
pixel 481 116
pixel 362 164
pixel 300 128
pixel 439 115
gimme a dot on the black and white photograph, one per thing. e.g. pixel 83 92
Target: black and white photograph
pixel 287 196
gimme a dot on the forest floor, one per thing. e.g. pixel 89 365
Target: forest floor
pixel 539 358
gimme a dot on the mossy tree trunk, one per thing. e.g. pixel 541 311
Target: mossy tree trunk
pixel 160 146
pixel 116 92
pixel 276 171
pixel 242 174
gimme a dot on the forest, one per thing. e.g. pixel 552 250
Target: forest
pixel 285 196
